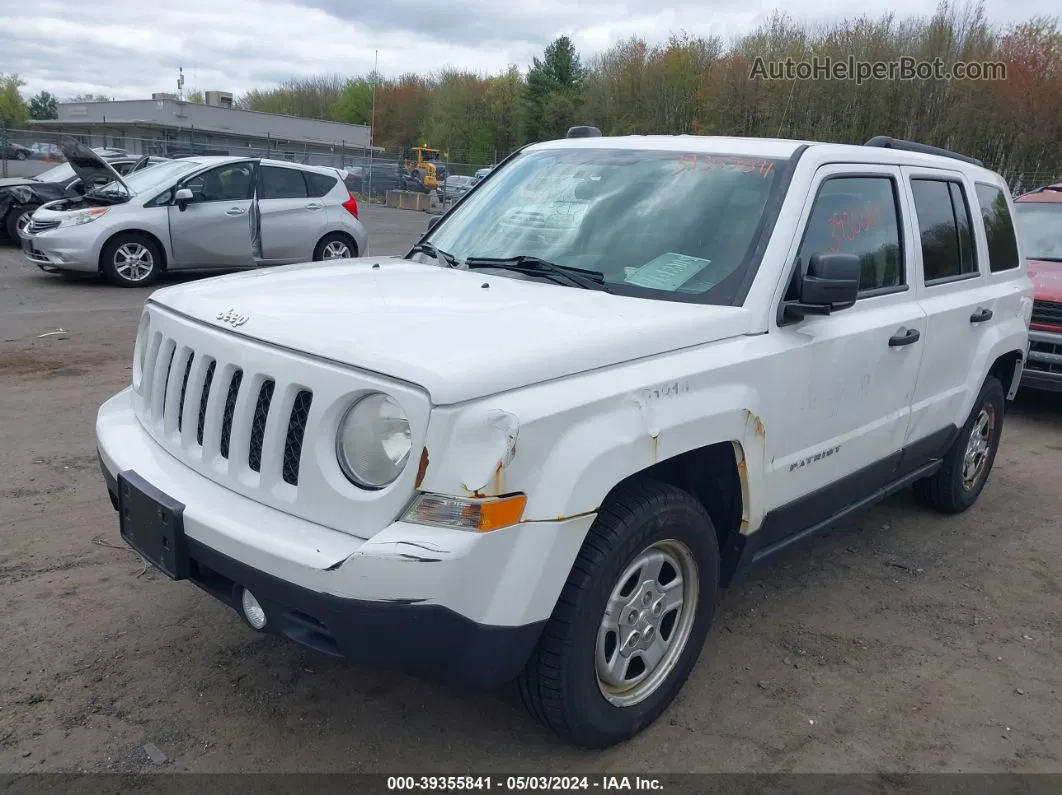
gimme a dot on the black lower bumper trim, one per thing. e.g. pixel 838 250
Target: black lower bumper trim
pixel 421 639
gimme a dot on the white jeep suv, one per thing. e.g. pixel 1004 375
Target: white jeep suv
pixel 613 377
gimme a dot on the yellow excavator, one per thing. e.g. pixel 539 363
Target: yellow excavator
pixel 422 169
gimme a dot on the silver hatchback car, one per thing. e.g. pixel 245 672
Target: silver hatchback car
pixel 194 214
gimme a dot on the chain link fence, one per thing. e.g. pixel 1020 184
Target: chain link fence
pixel 30 153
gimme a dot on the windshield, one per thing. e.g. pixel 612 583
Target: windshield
pixel 660 224
pixel 150 177
pixel 1040 227
pixel 60 173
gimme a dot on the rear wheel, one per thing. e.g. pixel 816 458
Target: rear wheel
pixel 131 260
pixel 335 245
pixel 959 481
pixel 18 220
pixel 631 620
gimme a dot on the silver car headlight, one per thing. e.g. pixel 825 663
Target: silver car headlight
pixel 374 441
pixel 83 217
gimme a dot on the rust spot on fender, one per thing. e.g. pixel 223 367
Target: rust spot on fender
pixel 757 424
pixel 497 480
pixel 422 468
pixel 560 518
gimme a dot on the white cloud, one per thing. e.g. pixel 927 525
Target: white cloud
pixel 128 49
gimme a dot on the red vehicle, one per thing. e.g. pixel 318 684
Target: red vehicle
pixel 1040 226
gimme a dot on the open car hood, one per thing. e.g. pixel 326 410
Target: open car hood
pixel 92 169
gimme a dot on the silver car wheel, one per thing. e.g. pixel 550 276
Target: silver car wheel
pixel 647 622
pixel 133 261
pixel 335 249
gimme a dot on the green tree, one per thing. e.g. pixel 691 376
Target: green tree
pixel 553 94
pixel 44 106
pixel 196 98
pixel 13 111
pixel 354 103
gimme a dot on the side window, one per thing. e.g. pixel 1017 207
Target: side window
pixel 945 229
pixel 319 184
pixel 122 168
pixel 858 215
pixel 282 183
pixel 230 182
pixel 999 228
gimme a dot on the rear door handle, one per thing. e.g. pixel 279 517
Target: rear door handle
pixel 904 336
pixel 981 315
pixel 235 211
pixel 314 206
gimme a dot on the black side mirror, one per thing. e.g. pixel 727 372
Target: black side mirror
pixel 830 284
pixel 432 221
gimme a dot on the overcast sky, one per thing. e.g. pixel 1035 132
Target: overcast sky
pixel 129 49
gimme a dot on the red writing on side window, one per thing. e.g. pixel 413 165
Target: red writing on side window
pixel 847 226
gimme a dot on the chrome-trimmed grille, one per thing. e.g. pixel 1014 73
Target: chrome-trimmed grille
pixel 36 226
pixel 1048 313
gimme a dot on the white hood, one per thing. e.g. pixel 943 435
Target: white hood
pixel 443 330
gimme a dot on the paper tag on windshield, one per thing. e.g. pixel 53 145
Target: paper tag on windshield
pixel 667 272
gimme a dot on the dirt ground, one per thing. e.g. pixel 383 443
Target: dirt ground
pixel 904 642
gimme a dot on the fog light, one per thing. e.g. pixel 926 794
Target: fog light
pixel 253 611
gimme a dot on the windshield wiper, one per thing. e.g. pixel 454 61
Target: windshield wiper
pixel 535 266
pixel 431 251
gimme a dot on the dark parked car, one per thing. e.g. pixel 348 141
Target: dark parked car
pixel 20 196
pixel 16 151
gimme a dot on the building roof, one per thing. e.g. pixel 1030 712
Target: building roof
pixel 176 114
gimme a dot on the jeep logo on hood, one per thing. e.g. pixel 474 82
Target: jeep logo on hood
pixel 232 318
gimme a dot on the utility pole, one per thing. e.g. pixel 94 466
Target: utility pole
pixel 372 119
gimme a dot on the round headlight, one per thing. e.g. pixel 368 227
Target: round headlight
pixel 374 441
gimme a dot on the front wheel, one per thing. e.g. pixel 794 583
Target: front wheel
pixel 961 478
pixel 131 260
pixel 631 619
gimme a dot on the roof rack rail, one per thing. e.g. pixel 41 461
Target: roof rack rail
pixel 885 142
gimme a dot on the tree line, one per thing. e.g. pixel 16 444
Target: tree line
pixel 706 86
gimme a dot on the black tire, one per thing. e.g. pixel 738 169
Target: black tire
pixel 13 218
pixel 20 155
pixel 949 490
pixel 111 269
pixel 560 685
pixel 334 237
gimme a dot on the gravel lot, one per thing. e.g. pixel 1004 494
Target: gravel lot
pixel 903 642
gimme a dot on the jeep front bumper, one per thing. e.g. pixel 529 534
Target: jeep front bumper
pixel 460 607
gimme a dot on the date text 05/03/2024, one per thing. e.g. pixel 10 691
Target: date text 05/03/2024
pixel 521 783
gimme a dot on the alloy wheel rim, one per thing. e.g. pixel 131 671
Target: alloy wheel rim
pixel 133 261
pixel 975 460
pixel 647 623
pixel 336 249
pixel 23 222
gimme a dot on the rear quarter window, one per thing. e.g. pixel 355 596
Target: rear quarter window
pixel 319 184
pixel 999 228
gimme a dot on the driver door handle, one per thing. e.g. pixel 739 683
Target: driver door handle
pixel 235 211
pixel 981 315
pixel 904 336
